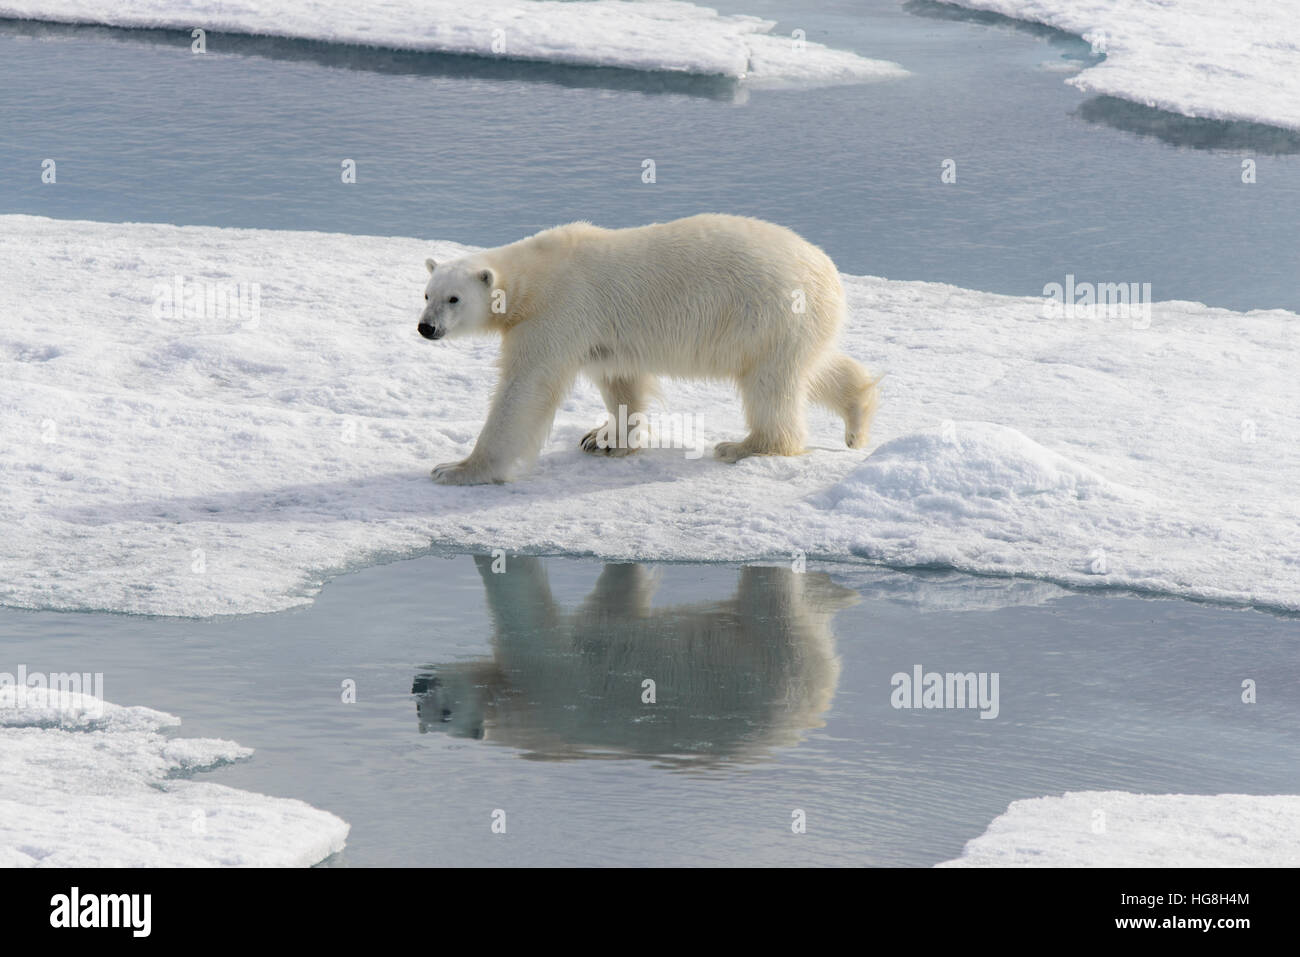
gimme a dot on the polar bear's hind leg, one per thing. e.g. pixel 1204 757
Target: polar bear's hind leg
pixel 774 408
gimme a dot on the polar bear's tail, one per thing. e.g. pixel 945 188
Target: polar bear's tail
pixel 842 385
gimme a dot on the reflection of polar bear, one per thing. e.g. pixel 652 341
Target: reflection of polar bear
pixel 709 296
pixel 731 678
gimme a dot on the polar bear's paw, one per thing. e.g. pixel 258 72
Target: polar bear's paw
pixel 732 451
pixel 461 473
pixel 592 445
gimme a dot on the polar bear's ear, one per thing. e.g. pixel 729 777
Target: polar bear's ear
pixel 432 264
pixel 487 277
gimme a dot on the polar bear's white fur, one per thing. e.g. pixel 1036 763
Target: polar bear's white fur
pixel 709 296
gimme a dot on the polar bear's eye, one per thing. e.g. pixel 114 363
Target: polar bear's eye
pixel 454 299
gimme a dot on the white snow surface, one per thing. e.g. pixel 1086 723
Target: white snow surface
pixel 658 35
pixel 1214 59
pixel 1118 829
pixel 87 783
pixel 196 467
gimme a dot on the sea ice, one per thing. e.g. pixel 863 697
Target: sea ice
pixel 160 463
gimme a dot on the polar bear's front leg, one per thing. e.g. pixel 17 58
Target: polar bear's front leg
pixel 463 472
pixel 516 427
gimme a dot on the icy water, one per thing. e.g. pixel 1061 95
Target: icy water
pixel 773 693
pixel 1049 180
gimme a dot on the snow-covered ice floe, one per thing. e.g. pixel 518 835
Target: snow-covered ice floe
pixel 1212 59
pixel 155 462
pixel 659 35
pixel 88 783
pixel 1118 829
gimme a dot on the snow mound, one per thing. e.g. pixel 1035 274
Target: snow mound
pixel 659 35
pixel 1214 59
pixel 959 467
pixel 88 783
pixel 983 497
pixel 1118 829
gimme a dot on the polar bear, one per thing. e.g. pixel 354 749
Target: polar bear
pixel 710 296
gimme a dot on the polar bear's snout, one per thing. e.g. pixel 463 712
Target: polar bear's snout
pixel 430 331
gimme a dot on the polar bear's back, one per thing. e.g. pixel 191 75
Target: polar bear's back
pixel 696 295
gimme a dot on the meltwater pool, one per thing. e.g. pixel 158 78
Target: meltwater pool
pixel 524 691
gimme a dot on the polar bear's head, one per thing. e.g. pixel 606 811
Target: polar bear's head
pixel 458 298
pixel 455 699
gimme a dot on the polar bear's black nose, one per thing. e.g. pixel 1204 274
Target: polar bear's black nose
pixel 429 332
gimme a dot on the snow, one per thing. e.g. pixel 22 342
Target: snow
pixel 1118 829
pixel 88 783
pixel 179 466
pixel 660 35
pixel 1214 59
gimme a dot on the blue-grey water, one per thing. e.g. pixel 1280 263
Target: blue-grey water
pixel 530 700
pixel 1050 181
pixel 523 691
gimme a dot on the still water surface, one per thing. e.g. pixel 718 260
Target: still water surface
pixel 523 691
